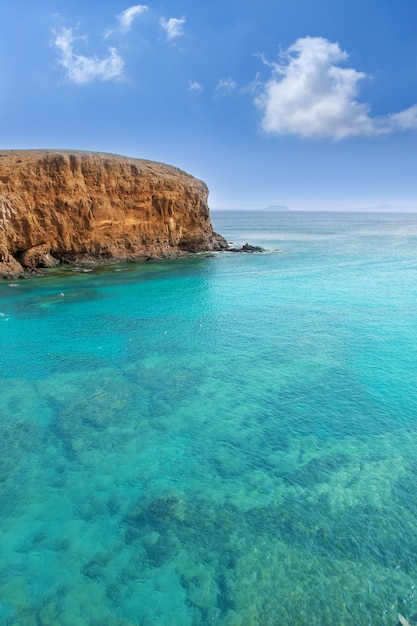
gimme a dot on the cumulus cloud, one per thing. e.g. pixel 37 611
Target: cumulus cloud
pixel 126 17
pixel 172 27
pixel 82 69
pixel 193 85
pixel 309 94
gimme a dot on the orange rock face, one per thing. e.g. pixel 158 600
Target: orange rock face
pixel 80 206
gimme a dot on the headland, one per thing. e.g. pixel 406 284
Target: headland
pixel 73 207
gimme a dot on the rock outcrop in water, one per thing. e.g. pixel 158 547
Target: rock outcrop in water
pixel 74 207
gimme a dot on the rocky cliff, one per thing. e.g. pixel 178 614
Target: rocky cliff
pixel 59 206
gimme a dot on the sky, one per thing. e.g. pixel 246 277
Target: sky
pixel 310 104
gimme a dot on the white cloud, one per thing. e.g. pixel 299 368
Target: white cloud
pixel 81 69
pixel 405 120
pixel 193 85
pixel 226 85
pixel 310 95
pixel 254 86
pixel 172 27
pixel 126 17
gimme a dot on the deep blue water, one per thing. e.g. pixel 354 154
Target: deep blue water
pixel 226 439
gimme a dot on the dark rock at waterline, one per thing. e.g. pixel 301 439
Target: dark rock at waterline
pixel 248 248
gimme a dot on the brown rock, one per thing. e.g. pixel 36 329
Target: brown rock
pixel 38 256
pixel 10 268
pixel 84 206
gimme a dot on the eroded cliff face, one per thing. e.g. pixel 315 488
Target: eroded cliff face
pixel 59 206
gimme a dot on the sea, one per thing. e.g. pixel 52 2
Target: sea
pixel 226 439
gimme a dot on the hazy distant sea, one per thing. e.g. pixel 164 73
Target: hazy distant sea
pixel 228 439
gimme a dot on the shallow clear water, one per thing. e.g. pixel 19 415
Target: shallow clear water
pixel 227 439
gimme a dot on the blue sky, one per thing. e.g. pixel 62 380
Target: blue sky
pixel 312 105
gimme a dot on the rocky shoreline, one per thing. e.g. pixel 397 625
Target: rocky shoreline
pixel 59 206
pixel 246 248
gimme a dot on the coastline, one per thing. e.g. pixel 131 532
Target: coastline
pixel 78 207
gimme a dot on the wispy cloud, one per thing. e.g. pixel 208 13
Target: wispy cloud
pixel 254 86
pixel 172 27
pixel 309 94
pixel 81 69
pixel 126 17
pixel 193 85
pixel 226 86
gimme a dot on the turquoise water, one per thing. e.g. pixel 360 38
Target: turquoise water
pixel 227 439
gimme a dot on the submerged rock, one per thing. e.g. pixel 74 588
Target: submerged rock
pixel 402 621
pixel 72 207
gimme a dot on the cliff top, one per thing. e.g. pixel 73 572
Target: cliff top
pixel 36 154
